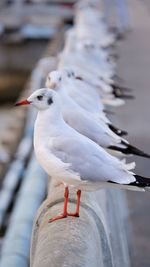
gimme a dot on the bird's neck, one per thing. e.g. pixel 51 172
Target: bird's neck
pixel 52 114
pixel 48 121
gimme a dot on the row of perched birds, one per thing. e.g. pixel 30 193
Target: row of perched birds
pixel 73 136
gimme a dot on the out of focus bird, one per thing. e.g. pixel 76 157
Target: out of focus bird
pixel 83 121
pixel 81 93
pixel 98 73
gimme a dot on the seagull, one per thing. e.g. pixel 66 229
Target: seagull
pixel 72 158
pixel 104 90
pixel 83 121
pixel 85 97
pixel 102 60
pixel 88 19
pixel 77 53
pixel 82 94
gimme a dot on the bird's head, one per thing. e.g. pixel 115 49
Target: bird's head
pixel 54 80
pixel 41 99
pixel 69 73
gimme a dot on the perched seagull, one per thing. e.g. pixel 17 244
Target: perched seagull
pixel 88 19
pixel 78 57
pixel 72 158
pixel 107 91
pixel 104 90
pixel 76 52
pixel 101 59
pixel 82 94
pixel 83 121
pixel 110 94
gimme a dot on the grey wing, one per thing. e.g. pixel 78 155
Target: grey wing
pixel 92 162
pixel 92 129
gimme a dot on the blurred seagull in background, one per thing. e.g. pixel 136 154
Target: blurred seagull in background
pixel 81 93
pixel 98 73
pixel 86 124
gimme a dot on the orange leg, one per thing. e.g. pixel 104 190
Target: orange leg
pixel 64 214
pixel 76 213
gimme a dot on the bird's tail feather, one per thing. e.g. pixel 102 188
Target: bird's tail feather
pixel 117 130
pixel 121 88
pixel 111 184
pixel 141 181
pixel 141 184
pixel 118 92
pixel 115 102
pixel 130 150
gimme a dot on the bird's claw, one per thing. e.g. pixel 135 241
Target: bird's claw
pixel 62 216
pixel 59 217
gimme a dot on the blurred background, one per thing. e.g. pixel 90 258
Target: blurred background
pixel 33 29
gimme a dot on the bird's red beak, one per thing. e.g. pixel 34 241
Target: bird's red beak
pixel 79 78
pixel 23 102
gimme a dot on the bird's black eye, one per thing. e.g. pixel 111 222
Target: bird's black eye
pixel 49 101
pixel 60 79
pixel 40 97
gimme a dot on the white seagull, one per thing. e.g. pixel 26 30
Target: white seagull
pixel 76 56
pixel 104 90
pixel 75 53
pixel 83 121
pixel 70 157
pixel 88 24
pixel 81 93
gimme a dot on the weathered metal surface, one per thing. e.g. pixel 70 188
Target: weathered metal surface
pixel 97 238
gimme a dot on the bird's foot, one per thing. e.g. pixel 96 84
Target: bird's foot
pixel 59 217
pixel 62 216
